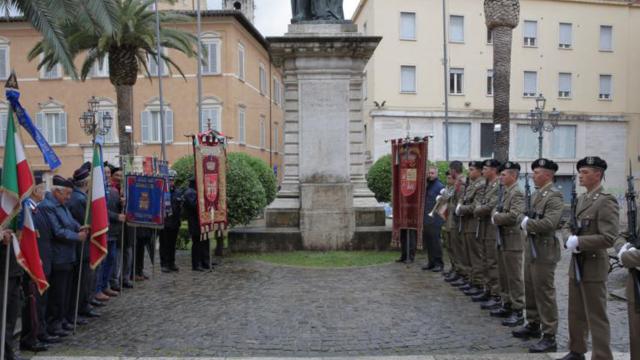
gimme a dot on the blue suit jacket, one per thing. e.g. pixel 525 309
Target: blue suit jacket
pixel 433 190
pixel 65 230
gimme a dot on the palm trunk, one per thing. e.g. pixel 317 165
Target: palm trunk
pixel 501 87
pixel 124 95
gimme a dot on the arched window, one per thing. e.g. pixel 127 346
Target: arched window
pixel 211 43
pixel 5 65
pixel 52 122
pixel 151 123
pixel 211 111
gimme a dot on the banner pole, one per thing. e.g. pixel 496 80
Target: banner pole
pixel 5 295
pixel 135 253
pixel 75 313
pixel 153 253
pixel 122 250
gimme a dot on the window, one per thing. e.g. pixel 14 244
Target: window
pixel 530 32
pixel 564 85
pixel 490 82
pixel 459 139
pixel 407 26
pixel 407 79
pixel 527 142
pixel 263 134
pixel 456 81
pixel 3 126
pixel 489 36
pixel 241 125
pixel 53 126
pixel 566 34
pixel 563 142
pixel 277 95
pixel 456 28
pixel 606 38
pixel 486 140
pixel 530 83
pixel 151 126
pixel 100 68
pixel 276 138
pixel 211 114
pixel 365 84
pixel 54 73
pixel 4 60
pixel 211 63
pixel 153 67
pixel 282 95
pixel 605 87
pixel 240 62
pixel 263 80
pixel 112 136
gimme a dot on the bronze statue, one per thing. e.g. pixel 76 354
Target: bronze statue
pixel 316 10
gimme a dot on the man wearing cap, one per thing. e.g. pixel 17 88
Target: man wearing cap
pixel 485 203
pixel 459 262
pixel 469 226
pixel 511 248
pixel 539 273
pixel 66 234
pixel 597 222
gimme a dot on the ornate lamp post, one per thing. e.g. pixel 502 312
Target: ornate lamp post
pixel 541 122
pixel 90 123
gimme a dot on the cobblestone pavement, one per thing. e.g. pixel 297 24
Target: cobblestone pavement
pixel 248 308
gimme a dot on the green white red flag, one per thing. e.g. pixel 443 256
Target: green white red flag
pixel 27 253
pixel 17 179
pixel 98 216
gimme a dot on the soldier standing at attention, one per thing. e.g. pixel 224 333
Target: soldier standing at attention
pixel 455 241
pixel 505 217
pixel 539 272
pixel 594 231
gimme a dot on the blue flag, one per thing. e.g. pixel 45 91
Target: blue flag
pixel 48 154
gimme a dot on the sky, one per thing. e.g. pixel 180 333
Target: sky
pixel 273 16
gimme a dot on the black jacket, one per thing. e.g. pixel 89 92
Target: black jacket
pixel 172 222
pixel 191 211
pixel 114 208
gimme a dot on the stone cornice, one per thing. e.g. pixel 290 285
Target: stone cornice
pixel 343 45
pixel 487 115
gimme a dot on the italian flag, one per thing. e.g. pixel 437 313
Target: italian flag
pixel 97 215
pixel 27 253
pixel 17 179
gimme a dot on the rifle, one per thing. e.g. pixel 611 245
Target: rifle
pixel 575 228
pixel 529 212
pixel 462 201
pixel 499 209
pixel 633 239
pixel 482 202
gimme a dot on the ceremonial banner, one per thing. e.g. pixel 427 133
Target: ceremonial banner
pixel 409 182
pixel 98 217
pixel 145 201
pixel 27 252
pixel 211 180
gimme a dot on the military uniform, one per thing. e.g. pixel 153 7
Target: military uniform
pixel 510 252
pixel 597 214
pixel 630 258
pixel 469 226
pixel 459 258
pixel 539 274
pixel 487 235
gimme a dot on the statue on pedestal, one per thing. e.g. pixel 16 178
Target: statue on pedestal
pixel 316 10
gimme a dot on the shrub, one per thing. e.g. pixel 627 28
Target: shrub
pixel 184 170
pixel 379 179
pixel 265 175
pixel 245 194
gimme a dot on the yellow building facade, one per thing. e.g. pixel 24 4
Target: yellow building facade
pixel 242 95
pixel 582 55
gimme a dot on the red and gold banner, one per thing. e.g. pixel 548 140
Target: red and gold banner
pixel 409 160
pixel 211 180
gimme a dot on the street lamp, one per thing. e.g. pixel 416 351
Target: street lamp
pixel 541 122
pixel 91 124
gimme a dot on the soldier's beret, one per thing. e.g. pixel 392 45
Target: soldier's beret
pixel 510 165
pixel 545 164
pixel 592 161
pixel 82 172
pixel 492 163
pixel 475 164
pixel 60 181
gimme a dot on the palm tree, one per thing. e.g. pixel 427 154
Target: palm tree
pixel 46 16
pixel 501 16
pixel 128 47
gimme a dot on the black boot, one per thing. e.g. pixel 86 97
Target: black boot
pixel 503 312
pixel 452 277
pixel 530 330
pixel 493 304
pixel 546 344
pixel 573 356
pixel 473 291
pixel 465 287
pixel 459 282
pixel 484 296
pixel 516 318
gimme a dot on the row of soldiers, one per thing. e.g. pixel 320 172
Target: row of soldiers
pixel 505 258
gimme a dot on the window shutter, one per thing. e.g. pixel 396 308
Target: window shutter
pixel 213 58
pixel 456 28
pixel 407 26
pixel 145 126
pixel 168 126
pixel 3 128
pixel 605 85
pixel 606 34
pixel 530 86
pixel 408 79
pixel 61 128
pixel 565 34
pixel 215 118
pixel 40 124
pixel 565 82
pixel 530 29
pixel 3 63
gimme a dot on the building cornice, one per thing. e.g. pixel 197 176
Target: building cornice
pixel 488 115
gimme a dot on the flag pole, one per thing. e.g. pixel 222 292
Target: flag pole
pixel 5 293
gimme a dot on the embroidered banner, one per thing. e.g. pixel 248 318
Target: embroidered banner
pixel 211 180
pixel 145 201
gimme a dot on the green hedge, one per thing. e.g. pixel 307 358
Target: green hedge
pixel 265 175
pixel 184 170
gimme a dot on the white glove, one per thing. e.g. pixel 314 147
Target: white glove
pixel 626 247
pixel 523 224
pixel 493 220
pixel 444 190
pixel 572 243
pixel 458 210
pixel 438 198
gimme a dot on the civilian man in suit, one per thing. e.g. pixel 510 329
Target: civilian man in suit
pixel 432 225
